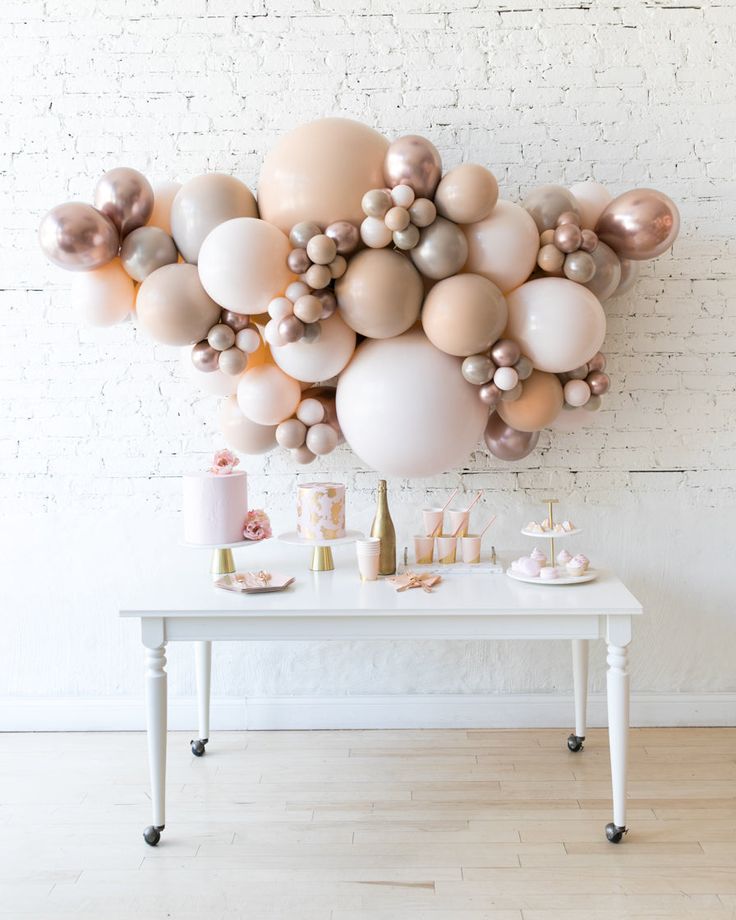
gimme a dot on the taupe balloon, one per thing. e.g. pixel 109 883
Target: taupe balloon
pixel 146 249
pixel 550 259
pixel 406 239
pixel 380 294
pixel 547 203
pixel 607 277
pixel 640 224
pixel 442 250
pixel 466 194
pixel 478 369
pixel 579 266
pixel 232 362
pixel 345 235
pixel 422 212
pixel 205 357
pixel 77 237
pixel 174 308
pixel 464 315
pixel 303 455
pixel 414 161
pixel 321 439
pixel 505 353
pixel 204 203
pixel 301 233
pixel 291 433
pixel 126 197
pixel 629 274
pixel 506 442
pixel 376 203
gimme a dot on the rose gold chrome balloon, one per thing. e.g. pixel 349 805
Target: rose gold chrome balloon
pixel 506 442
pixel 597 362
pixel 598 382
pixel 236 321
pixel 640 224
pixel 77 237
pixel 414 161
pixel 204 357
pixel 345 235
pixel 126 197
pixel 505 353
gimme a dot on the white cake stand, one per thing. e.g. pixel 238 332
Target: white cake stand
pixel 322 560
pixel 222 554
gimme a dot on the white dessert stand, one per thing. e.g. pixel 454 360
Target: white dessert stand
pixel 322 560
pixel 589 575
pixel 222 555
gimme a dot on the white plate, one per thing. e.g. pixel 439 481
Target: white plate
pixel 222 545
pixel 590 575
pixel 545 535
pixel 293 538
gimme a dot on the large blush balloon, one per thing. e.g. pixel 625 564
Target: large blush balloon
pixel 405 408
pixel 126 197
pixel 558 324
pixel 242 264
pixel 174 308
pixel 78 237
pixel 104 296
pixel 240 433
pixel 504 246
pixel 319 172
pixel 267 396
pixel 592 199
pixel 204 203
pixel 380 294
pixel 163 197
pixel 640 224
pixel 506 442
pixel 464 315
pixel 414 161
pixel 539 404
pixel 320 360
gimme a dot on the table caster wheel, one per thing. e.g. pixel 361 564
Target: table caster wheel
pixel 575 743
pixel 198 746
pixel 152 835
pixel 615 834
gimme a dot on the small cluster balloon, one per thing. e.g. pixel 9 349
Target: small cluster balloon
pixel 364 296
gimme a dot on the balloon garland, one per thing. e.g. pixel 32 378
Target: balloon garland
pixel 365 296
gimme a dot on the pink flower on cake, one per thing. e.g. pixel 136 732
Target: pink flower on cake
pixel 257 526
pixel 225 462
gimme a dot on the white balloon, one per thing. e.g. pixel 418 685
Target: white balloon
pixel 242 264
pixel 163 195
pixel 213 383
pixel 558 324
pixel 503 247
pixel 593 199
pixel 104 296
pixel 320 360
pixel 405 408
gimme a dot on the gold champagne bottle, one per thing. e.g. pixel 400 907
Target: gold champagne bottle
pixel 383 528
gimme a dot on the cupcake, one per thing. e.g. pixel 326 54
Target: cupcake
pixel 563 557
pixel 534 527
pixel 568 526
pixel 577 565
pixel 527 567
pixel 539 556
pixel 548 573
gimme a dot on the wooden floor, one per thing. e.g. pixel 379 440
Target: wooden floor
pixel 389 825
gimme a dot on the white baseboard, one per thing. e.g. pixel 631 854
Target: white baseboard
pixel 540 710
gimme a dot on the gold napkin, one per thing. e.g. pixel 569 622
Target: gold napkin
pixel 425 581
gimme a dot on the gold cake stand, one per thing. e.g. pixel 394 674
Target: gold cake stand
pixel 222 561
pixel 322 560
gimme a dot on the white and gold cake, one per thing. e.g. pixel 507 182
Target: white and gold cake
pixel 320 511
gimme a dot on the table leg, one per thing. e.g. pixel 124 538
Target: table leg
pixel 156 725
pixel 203 663
pixel 617 683
pixel 580 687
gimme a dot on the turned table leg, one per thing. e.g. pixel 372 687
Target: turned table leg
pixel 617 684
pixel 156 727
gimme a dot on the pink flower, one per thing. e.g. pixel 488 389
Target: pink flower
pixel 256 526
pixel 225 462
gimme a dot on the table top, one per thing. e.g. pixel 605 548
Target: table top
pixel 182 587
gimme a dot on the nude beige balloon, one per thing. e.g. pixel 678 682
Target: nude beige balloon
pixel 240 433
pixel 268 396
pixel 466 194
pixel 204 203
pixel 320 172
pixel 104 296
pixel 163 197
pixel 504 246
pixel 539 404
pixel 380 294
pixel 640 224
pixel 592 199
pixel 173 307
pixel 464 315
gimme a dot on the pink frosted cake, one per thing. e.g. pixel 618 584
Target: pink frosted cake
pixel 214 505
pixel 320 511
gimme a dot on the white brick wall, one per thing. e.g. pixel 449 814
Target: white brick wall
pixel 96 426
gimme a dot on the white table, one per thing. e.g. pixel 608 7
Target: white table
pixel 179 603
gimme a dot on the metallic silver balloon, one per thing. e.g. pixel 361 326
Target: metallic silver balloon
pixel 236 321
pixel 146 249
pixel 594 404
pixel 126 197
pixel 597 362
pixel 598 382
pixel 506 442
pixel 232 362
pixel 77 237
pixel 505 353
pixel 580 267
pixel 524 368
pixel 414 161
pixel 629 274
pixel 547 203
pixel 204 357
pixel 312 332
pixel 477 369
pixel 607 275
pixel 640 224
pixel 345 235
pixel 302 233
pixel 328 301
pixel 442 250
pixel 221 337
